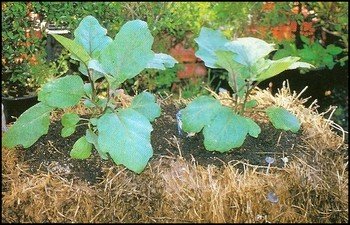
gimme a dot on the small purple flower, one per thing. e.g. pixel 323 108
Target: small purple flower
pixel 272 197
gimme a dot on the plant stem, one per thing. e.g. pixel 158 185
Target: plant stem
pixel 268 168
pixel 249 89
pixel 108 98
pixel 93 95
pixel 234 88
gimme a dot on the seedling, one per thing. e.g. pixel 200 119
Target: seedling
pixel 245 60
pixel 117 128
pixel 269 160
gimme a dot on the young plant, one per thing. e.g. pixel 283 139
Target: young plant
pixel 118 129
pixel 223 127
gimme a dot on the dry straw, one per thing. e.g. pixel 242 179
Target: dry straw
pixel 313 187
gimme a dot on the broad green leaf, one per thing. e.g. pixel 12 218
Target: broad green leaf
pixel 126 137
pixel 70 119
pixel 91 36
pixel 81 149
pixel 161 61
pixel 67 131
pixel 249 50
pixel 29 127
pixel 226 131
pixel 145 103
pixel 251 104
pixel 276 67
pixel 62 92
pixel 260 66
pixel 130 51
pixel 91 137
pixel 73 47
pixel 283 119
pixel 281 53
pixel 225 60
pixel 253 128
pixel 333 50
pixel 199 113
pixel 308 55
pixel 210 41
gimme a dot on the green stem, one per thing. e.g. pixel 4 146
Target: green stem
pixel 93 95
pixel 108 98
pixel 247 94
pixel 235 89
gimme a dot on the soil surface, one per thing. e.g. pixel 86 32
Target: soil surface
pixel 51 152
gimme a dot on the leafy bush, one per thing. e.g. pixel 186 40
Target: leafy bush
pixel 118 127
pixel 244 59
pixel 312 52
pixel 21 47
pixel 317 32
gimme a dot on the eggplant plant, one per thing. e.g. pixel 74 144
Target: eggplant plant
pixel 247 64
pixel 119 131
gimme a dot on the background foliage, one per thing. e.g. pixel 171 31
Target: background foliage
pixel 284 23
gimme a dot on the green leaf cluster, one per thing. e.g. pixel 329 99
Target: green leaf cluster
pixel 246 62
pixel 312 52
pixel 118 132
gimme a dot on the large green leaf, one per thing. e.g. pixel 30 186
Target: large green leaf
pixel 249 50
pixel 70 119
pixel 199 113
pixel 253 128
pixel 129 53
pixel 161 61
pixel 29 127
pixel 276 67
pixel 75 48
pixel 126 136
pixel 236 70
pixel 92 36
pixel 283 119
pixel 145 103
pixel 225 60
pixel 81 149
pixel 92 138
pixel 67 131
pixel 227 130
pixel 210 41
pixel 333 50
pixel 62 92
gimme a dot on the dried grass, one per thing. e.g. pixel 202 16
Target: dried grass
pixel 312 188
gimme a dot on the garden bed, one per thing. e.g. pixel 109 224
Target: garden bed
pixel 183 182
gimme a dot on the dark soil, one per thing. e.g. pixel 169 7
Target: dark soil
pixel 166 138
pixel 51 152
